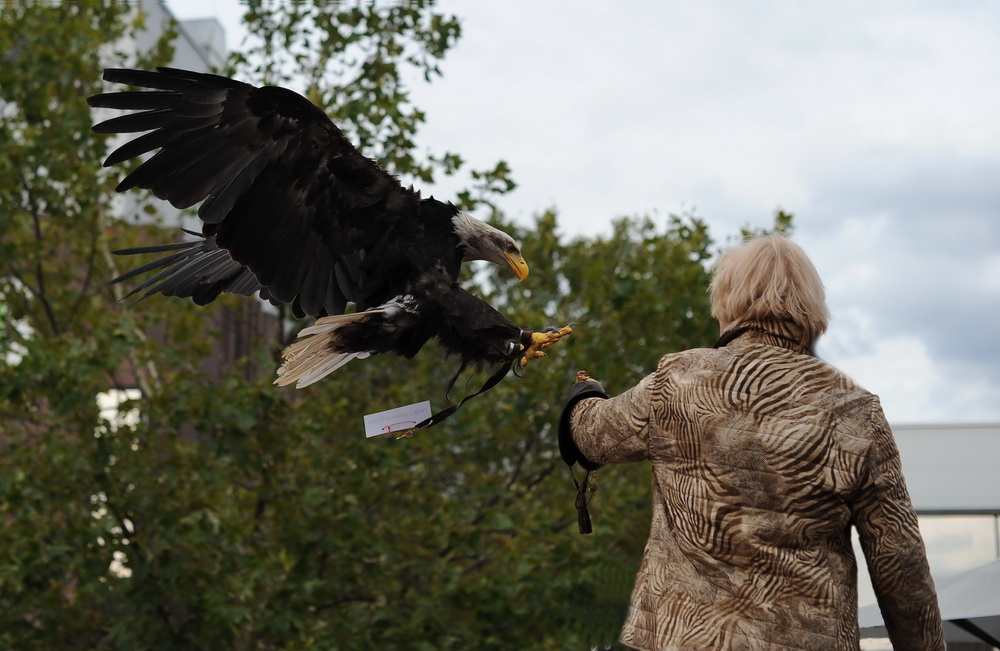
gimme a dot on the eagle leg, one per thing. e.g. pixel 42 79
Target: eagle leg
pixel 532 349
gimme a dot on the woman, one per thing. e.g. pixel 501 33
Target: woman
pixel 763 457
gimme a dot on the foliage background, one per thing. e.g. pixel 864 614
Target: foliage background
pixel 232 515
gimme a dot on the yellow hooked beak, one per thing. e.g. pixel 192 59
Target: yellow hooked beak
pixel 517 264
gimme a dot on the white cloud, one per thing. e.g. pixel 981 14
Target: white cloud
pixel 987 277
pixel 912 387
pixel 900 372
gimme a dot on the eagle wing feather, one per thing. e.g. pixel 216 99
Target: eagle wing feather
pixel 282 190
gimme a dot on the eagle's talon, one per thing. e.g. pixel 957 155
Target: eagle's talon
pixel 540 340
pixel 535 355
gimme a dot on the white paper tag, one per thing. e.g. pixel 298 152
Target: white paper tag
pixel 397 420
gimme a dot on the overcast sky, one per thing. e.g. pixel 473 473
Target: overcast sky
pixel 876 124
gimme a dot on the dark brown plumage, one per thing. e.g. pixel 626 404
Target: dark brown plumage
pixel 292 211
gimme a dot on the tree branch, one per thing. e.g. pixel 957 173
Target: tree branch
pixel 351 598
pixel 85 285
pixel 41 294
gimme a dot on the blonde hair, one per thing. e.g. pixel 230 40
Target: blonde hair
pixel 769 278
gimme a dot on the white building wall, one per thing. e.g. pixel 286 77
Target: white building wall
pixel 951 469
pixel 199 46
pixel 952 473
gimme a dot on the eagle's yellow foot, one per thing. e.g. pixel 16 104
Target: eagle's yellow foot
pixel 540 340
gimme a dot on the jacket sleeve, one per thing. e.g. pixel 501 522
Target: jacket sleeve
pixel 613 430
pixel 889 535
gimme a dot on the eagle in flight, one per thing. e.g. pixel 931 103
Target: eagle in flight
pixel 293 211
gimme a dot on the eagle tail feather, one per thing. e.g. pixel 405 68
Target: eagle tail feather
pixel 318 352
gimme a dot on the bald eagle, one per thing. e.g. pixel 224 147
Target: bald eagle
pixel 292 211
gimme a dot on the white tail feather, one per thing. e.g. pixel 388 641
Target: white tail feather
pixel 315 354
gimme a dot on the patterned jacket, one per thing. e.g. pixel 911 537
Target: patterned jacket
pixel 763 457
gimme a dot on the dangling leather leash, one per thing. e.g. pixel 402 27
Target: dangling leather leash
pixel 514 355
pixel 493 380
pixel 582 513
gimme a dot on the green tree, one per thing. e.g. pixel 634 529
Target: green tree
pixel 233 515
pixel 60 339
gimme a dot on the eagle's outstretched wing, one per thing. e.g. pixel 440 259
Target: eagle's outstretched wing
pixel 285 195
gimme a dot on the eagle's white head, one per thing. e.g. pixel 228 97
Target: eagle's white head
pixel 483 242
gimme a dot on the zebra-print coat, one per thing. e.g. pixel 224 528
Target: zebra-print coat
pixel 763 457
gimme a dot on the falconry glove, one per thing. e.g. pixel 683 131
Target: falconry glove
pixel 571 454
